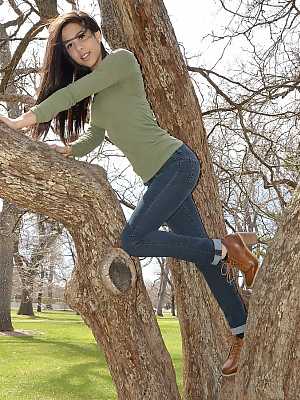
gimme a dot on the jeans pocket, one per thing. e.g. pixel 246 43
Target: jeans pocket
pixel 190 169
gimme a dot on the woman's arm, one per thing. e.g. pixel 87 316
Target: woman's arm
pixel 114 68
pixel 91 139
pixel 23 121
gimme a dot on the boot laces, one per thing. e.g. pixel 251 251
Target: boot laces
pixel 227 269
pixel 236 347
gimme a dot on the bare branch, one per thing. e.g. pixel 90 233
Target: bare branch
pixel 17 98
pixel 36 28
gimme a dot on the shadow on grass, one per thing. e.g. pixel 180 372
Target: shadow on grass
pixel 62 349
pixel 78 381
pixel 86 379
pixel 41 317
pixel 61 370
pixel 77 368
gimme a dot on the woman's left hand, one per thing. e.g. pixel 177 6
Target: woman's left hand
pixel 64 150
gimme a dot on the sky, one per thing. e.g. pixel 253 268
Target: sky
pixel 191 21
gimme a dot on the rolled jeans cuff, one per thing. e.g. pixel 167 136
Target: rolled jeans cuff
pixel 238 329
pixel 218 251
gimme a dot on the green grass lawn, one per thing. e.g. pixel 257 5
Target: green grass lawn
pixel 61 361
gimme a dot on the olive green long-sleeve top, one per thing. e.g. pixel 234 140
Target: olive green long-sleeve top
pixel 120 108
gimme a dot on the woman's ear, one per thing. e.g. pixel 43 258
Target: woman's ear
pixel 98 36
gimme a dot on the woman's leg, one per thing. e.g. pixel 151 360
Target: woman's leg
pixel 187 221
pixel 168 189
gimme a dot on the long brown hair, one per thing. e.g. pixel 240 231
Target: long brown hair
pixel 59 70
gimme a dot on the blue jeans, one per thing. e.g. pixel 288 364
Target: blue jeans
pixel 168 199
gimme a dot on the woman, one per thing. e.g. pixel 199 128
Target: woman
pixel 78 71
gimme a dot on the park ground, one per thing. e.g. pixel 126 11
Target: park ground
pixel 59 359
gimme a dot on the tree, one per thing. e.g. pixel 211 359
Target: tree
pixel 30 265
pixel 145 29
pixel 9 221
pixel 87 294
pixel 250 103
pixel 9 216
pixel 106 286
pixel 106 282
pixel 270 362
pixel 162 287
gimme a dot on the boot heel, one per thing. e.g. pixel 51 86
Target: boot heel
pixel 250 286
pixel 249 238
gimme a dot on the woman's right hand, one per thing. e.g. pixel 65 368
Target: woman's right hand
pixel 10 122
pixel 24 121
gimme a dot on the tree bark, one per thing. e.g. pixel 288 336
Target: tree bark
pixel 106 285
pixel 9 217
pixel 270 361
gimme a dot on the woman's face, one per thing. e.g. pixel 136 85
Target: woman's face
pixel 82 45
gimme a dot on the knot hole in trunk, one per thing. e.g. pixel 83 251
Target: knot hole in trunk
pixel 118 271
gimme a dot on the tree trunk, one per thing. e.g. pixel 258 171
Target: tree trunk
pixel 173 307
pixel 49 303
pixel 9 231
pixel 106 285
pixel 39 302
pixel 27 276
pixel 270 362
pixel 162 288
pixel 6 267
pixel 40 292
pixel 26 307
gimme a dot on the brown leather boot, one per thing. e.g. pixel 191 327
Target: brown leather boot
pixel 240 257
pixel 230 366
